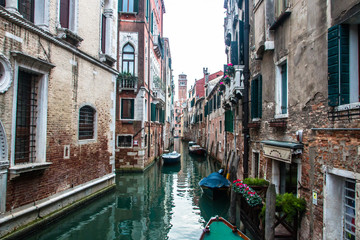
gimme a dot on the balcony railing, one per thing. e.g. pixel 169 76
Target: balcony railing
pixel 127 82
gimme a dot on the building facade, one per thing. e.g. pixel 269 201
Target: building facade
pixel 57 114
pixel 143 60
pixel 304 106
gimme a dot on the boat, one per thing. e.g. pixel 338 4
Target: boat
pixel 197 149
pixel 191 143
pixel 173 157
pixel 219 228
pixel 215 185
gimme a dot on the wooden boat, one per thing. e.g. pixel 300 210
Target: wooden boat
pixel 170 158
pixel 215 185
pixel 219 228
pixel 191 143
pixel 197 149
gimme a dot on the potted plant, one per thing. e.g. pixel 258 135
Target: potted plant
pixel 222 86
pixel 250 195
pixel 230 70
pixel 226 79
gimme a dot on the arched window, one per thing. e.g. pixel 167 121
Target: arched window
pixel 86 122
pixel 128 59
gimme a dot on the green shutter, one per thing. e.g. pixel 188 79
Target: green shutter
pixel 260 97
pixel 153 112
pixel 163 116
pixel 344 65
pixel 206 110
pixel 234 53
pixel 147 10
pixel 151 23
pixel 241 43
pixel 229 125
pixel 253 98
pixel 132 108
pixel 120 5
pixel 338 65
pixel 122 108
pixel 215 102
pixel 136 5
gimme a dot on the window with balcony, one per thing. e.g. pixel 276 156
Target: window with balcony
pixel 129 6
pixel 86 123
pixel 281 90
pixel 343 55
pixel 127 108
pixel 256 97
pixel 128 59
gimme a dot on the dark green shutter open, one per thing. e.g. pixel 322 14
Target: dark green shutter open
pixel 153 112
pixel 215 106
pixel 120 5
pixel 206 110
pixel 152 23
pixel 147 10
pixel 338 65
pixel 163 116
pixel 253 99
pixel 241 43
pixel 229 125
pixel 234 53
pixel 136 5
pixel 260 97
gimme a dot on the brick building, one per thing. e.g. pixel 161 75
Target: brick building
pixel 180 104
pixel 143 60
pixel 57 114
pixel 304 106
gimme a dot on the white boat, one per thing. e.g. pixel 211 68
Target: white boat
pixel 173 157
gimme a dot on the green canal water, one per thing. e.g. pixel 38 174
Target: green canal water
pixel 165 202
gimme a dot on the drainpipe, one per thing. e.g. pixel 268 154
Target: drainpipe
pixel 246 131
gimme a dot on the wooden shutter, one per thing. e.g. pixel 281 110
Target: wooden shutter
pixel 136 5
pixel 103 34
pixel 153 112
pixel 64 13
pixel 206 110
pixel 338 65
pixel 234 53
pixel 120 3
pixel 229 127
pixel 215 106
pixel 152 23
pixel 254 99
pixel 147 10
pixel 241 43
pixel 260 97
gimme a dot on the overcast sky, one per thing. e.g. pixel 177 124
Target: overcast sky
pixel 196 35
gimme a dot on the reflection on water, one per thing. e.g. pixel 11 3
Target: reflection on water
pixel 165 202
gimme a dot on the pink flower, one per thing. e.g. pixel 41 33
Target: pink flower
pixel 221 84
pixel 230 64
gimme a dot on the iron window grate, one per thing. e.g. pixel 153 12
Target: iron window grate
pixel 86 123
pixel 349 210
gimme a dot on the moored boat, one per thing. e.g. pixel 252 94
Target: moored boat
pixel 215 185
pixel 197 149
pixel 170 158
pixel 219 228
pixel 191 143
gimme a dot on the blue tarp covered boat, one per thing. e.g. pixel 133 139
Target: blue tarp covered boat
pixel 215 185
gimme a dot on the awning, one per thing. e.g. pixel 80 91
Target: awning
pixel 281 151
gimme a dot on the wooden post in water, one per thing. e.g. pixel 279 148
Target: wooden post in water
pixel 232 209
pixel 270 213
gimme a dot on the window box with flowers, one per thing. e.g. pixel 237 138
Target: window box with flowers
pixel 250 195
pixel 230 70
pixel 226 79
pixel 222 86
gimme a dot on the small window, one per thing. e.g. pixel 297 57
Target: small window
pixel 103 33
pixel 349 209
pixel 220 129
pixel 128 59
pixel 145 140
pixel 128 5
pixel 86 122
pixel 26 9
pixel 67 14
pixel 127 108
pixel 256 160
pixel 125 141
pixel 281 89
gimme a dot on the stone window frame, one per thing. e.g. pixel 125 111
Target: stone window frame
pixel 83 112
pixel 278 90
pixel 95 128
pixel 5 74
pixel 334 180
pixel 42 69
pixel 117 140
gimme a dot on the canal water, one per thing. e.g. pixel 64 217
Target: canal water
pixel 165 202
